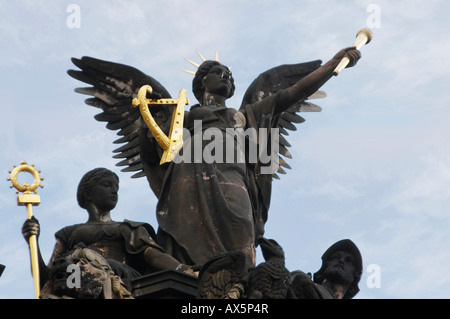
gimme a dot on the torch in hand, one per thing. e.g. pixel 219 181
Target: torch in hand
pixel 362 37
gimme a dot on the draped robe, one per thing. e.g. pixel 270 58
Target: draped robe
pixel 207 209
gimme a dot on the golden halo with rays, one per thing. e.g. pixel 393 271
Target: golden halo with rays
pixel 198 65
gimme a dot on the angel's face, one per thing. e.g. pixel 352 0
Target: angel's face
pixel 218 81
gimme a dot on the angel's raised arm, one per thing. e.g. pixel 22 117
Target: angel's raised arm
pixel 314 80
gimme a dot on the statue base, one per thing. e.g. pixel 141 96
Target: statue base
pixel 166 284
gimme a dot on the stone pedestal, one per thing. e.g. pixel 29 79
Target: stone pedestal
pixel 166 284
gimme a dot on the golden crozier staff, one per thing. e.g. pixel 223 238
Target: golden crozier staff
pixel 29 198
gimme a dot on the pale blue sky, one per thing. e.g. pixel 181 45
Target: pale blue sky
pixel 373 166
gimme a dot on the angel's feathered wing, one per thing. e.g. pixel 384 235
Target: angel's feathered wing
pixel 113 87
pixel 274 80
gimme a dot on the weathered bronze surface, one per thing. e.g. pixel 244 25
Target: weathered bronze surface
pixel 213 195
pixel 205 208
pixel 127 248
pixel 338 277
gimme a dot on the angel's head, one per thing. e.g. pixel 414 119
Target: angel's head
pixel 98 187
pixel 213 77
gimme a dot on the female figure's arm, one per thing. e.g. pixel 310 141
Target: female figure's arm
pixel 31 227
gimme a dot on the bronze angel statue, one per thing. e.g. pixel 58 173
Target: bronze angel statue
pixel 207 208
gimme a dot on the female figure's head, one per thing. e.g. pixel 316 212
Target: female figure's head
pixel 214 78
pixel 99 188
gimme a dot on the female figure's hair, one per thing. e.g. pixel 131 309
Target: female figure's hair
pixel 88 180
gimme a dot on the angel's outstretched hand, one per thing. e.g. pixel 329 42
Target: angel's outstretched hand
pixel 351 53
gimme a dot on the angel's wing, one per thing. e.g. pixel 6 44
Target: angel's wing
pixel 113 86
pixel 270 82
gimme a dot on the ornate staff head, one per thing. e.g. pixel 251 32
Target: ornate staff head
pixel 27 189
